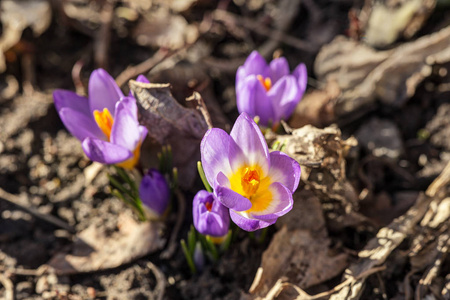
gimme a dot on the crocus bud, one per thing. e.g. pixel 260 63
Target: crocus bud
pixel 154 193
pixel 210 216
pixel 199 257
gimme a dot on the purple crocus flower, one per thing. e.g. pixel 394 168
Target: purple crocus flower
pixel 269 91
pixel 210 217
pixel 105 122
pixel 254 184
pixel 154 193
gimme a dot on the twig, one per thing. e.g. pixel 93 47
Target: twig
pixel 158 291
pixel 173 242
pixel 304 296
pixel 13 199
pixel 9 287
pixel 144 66
pixel 201 106
pixel 274 34
pixel 103 36
pixel 76 78
pixel 25 272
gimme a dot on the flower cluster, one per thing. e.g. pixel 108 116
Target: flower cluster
pixel 269 91
pixel 105 122
pixel 254 184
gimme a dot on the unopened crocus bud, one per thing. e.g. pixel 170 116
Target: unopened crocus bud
pixel 154 192
pixel 199 257
pixel 210 216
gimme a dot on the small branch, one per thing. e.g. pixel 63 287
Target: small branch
pixel 143 67
pixel 9 287
pixel 103 36
pixel 173 242
pixel 160 287
pixel 13 199
pixel 201 106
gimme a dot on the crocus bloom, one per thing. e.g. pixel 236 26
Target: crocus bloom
pixel 254 184
pixel 154 193
pixel 105 122
pixel 269 91
pixel 210 216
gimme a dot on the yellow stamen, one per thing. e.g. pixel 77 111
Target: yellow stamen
pixel 250 182
pixel 104 121
pixel 132 161
pixel 266 82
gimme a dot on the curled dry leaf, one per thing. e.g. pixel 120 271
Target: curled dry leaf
pixel 321 154
pixel 170 123
pixel 300 252
pixel 365 75
pixel 93 250
pixel 16 16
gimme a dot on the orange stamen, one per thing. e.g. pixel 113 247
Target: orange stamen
pixel 250 182
pixel 208 206
pixel 266 82
pixel 104 121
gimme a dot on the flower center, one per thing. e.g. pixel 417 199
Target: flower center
pixel 250 182
pixel 208 206
pixel 104 121
pixel 266 82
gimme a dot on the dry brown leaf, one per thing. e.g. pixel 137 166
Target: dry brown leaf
pixel 299 252
pixel 321 153
pixel 16 16
pixel 170 123
pixel 93 250
pixel 365 75
pixel 389 238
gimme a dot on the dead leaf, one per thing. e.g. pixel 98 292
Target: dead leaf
pixel 365 75
pixel 299 253
pixel 390 237
pixel 170 123
pixel 16 16
pixel 93 250
pixel 321 154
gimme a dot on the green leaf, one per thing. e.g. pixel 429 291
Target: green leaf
pixel 201 172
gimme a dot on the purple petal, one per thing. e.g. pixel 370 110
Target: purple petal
pixel 284 95
pixel 103 91
pixel 80 125
pixel 219 152
pixel 285 170
pixel 281 203
pixel 279 67
pixel 250 140
pixel 252 98
pixel 142 78
pixel 71 100
pixel 302 77
pixel 125 130
pixel 255 64
pixel 105 152
pixel 231 199
pixel 154 191
pixel 249 224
